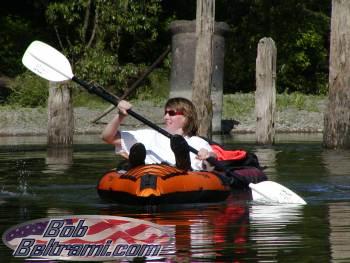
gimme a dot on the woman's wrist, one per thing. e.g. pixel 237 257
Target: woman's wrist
pixel 121 114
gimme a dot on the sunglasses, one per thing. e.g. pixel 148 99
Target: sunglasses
pixel 173 112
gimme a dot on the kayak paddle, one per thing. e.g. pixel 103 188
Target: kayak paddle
pixel 268 191
pixel 50 64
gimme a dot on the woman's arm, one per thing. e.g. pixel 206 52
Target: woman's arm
pixel 111 132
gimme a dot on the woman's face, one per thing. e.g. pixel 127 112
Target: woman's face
pixel 174 121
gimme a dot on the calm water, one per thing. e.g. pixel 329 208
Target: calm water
pixel 35 184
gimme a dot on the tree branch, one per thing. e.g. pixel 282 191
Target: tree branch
pixel 58 37
pixel 86 20
pixel 95 27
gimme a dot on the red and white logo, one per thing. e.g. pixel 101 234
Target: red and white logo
pixel 87 237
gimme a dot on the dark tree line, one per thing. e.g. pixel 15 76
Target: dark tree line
pixel 111 42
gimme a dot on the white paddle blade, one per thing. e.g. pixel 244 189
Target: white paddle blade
pixel 273 192
pixel 47 62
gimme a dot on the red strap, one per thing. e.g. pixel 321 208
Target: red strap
pixel 228 154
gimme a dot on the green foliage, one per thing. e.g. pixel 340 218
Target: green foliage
pixel 242 105
pixel 299 101
pixel 29 91
pixel 157 90
pixel 81 98
pixel 99 67
pixel 20 23
pixel 300 30
pixel 111 42
pixel 302 73
pixel 92 33
pixel 238 105
pixel 15 33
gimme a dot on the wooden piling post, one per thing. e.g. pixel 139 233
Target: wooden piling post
pixel 201 86
pixel 265 96
pixel 337 116
pixel 60 115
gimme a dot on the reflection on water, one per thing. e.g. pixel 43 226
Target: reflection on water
pixel 59 159
pixel 36 140
pixel 37 183
pixel 267 158
pixel 271 228
pixel 339 238
pixel 279 138
pixel 337 182
pixel 215 232
pixel 337 161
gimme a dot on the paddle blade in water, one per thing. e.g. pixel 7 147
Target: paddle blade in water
pixel 273 192
pixel 47 62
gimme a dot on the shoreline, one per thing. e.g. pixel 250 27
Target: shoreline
pixel 33 121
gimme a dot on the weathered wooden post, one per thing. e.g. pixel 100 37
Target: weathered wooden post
pixel 201 87
pixel 337 116
pixel 60 115
pixel 183 60
pixel 60 124
pixel 265 96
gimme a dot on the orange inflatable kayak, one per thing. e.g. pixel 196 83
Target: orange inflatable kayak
pixel 157 184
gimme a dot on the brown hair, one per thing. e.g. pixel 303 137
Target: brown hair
pixel 189 111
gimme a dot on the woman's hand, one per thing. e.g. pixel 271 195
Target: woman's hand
pixel 123 107
pixel 203 154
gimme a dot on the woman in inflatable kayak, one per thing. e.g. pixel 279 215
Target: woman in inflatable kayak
pixel 145 147
pixel 148 146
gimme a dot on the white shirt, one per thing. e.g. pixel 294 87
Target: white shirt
pixel 158 146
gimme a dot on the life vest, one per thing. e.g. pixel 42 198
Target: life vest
pixel 223 155
pixel 236 159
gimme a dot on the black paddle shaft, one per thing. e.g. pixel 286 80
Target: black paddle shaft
pixel 101 92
